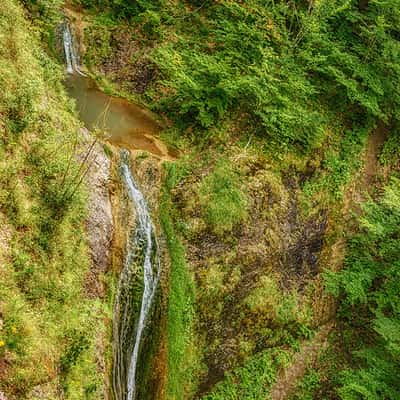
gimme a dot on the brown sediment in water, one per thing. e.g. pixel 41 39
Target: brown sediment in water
pixel 141 141
pixel 124 124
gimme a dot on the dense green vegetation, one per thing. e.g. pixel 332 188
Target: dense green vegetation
pixel 182 354
pixel 47 340
pixel 253 380
pixel 286 68
pixel 362 360
pixel 369 305
pixel 278 107
pixel 265 319
pixel 283 97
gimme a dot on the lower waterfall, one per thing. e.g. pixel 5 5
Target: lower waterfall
pixel 141 248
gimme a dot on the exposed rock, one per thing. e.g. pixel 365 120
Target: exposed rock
pixel 2 396
pixel 99 222
pixel 46 391
pixel 100 229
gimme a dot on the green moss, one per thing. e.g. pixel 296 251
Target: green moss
pixel 223 199
pixel 182 353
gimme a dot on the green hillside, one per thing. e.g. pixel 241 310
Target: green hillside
pixel 278 218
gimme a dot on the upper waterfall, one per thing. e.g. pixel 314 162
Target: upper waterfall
pixel 71 56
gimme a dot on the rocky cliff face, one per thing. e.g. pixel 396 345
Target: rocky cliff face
pixel 100 232
pixel 99 223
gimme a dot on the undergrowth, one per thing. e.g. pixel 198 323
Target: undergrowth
pixel 254 379
pixel 182 351
pixel 46 333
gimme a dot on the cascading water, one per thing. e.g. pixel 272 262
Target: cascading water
pixel 142 257
pixel 71 57
pixel 141 250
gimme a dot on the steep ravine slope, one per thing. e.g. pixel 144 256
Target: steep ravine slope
pixel 55 236
pixel 279 143
pixel 273 130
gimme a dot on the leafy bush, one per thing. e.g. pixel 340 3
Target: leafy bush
pixel 368 288
pixel 222 198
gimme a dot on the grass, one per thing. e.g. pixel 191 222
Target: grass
pixel 181 306
pixel 47 332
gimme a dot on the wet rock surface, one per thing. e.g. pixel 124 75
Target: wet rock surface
pixel 146 171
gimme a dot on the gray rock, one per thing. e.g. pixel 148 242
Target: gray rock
pixel 99 222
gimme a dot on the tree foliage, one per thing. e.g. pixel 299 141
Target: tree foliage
pixel 285 65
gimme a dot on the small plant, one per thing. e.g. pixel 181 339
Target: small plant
pixel 253 380
pixel 223 199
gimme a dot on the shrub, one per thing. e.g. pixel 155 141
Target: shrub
pixel 223 199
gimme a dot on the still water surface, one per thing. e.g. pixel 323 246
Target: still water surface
pixel 126 124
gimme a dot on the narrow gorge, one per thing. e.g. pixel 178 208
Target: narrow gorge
pixel 141 260
pixel 199 200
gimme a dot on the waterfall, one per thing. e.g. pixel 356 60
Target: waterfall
pixel 71 57
pixel 142 246
pixel 132 306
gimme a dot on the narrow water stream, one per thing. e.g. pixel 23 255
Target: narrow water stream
pixel 130 126
pixel 142 251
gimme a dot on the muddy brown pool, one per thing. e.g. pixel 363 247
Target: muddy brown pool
pixel 125 124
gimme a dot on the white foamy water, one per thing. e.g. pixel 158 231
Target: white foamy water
pixel 71 57
pixel 126 365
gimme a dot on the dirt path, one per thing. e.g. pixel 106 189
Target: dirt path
pixel 374 147
pixel 308 354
